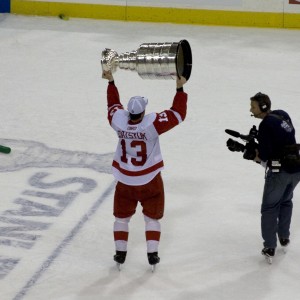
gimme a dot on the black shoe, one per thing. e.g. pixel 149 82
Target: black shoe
pixel 120 257
pixel 153 258
pixel 268 252
pixel 284 242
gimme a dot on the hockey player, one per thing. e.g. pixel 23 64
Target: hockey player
pixel 275 133
pixel 138 162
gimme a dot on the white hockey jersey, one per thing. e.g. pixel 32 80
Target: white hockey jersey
pixel 138 156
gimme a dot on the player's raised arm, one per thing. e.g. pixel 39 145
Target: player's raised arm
pixel 113 98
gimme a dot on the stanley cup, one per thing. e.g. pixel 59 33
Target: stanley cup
pixel 152 60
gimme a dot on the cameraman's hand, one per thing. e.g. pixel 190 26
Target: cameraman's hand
pixel 107 75
pixel 250 150
pixel 253 131
pixel 256 158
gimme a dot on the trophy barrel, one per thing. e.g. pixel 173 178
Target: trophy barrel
pixel 164 60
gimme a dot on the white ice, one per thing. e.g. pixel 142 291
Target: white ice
pixel 53 115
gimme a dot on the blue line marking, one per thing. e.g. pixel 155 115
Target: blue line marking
pixel 36 276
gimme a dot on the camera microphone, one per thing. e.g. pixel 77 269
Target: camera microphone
pixel 232 132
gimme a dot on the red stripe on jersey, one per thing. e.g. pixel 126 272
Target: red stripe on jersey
pixel 137 173
pixel 180 104
pixel 167 119
pixel 112 95
pixel 113 100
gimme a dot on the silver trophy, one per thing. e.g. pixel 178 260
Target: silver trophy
pixel 152 60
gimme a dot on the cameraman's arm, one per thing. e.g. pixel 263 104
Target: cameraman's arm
pixel 259 161
pixel 264 145
pixel 264 139
pixel 250 152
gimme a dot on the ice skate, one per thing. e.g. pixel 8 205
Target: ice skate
pixel 119 258
pixel 284 244
pixel 268 253
pixel 153 259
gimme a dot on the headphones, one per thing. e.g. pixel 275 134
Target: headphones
pixel 263 106
pixel 263 103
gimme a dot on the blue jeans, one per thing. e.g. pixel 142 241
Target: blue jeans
pixel 277 206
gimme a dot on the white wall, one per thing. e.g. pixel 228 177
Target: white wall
pixel 292 8
pixel 197 4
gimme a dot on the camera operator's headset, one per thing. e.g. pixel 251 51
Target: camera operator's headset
pixel 262 104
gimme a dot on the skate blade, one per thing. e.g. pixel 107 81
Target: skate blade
pixel 153 267
pixel 269 259
pixel 118 266
pixel 285 249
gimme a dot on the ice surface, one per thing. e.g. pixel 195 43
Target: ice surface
pixel 56 191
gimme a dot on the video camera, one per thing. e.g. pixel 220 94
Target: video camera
pixel 249 149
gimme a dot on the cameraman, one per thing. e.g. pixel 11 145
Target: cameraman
pixel 275 132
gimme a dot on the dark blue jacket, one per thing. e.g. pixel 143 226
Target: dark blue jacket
pixel 275 131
